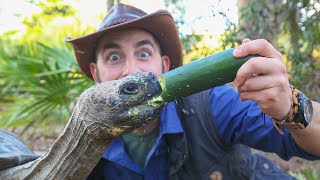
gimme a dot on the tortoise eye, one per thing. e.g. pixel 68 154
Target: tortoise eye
pixel 130 89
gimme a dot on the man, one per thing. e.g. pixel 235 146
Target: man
pixel 199 136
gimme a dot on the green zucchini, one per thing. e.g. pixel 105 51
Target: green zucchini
pixel 205 73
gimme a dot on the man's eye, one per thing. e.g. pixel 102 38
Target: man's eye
pixel 144 54
pixel 114 57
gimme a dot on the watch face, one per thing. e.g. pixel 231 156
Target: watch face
pixel 308 110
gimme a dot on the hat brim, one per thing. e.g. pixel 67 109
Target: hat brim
pixel 160 24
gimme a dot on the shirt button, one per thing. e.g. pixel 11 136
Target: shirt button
pixel 216 175
pixel 266 165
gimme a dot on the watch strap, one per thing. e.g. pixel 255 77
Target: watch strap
pixel 289 122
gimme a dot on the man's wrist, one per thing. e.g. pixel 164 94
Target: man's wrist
pixel 300 113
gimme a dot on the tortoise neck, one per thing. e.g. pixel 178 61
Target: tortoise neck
pixel 72 156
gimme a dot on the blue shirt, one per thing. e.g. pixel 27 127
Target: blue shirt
pixel 237 122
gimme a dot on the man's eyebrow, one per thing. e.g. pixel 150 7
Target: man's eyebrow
pixel 144 42
pixel 111 45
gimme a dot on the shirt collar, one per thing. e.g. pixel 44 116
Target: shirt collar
pixel 170 122
pixel 116 153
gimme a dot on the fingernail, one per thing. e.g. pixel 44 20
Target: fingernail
pixel 236 52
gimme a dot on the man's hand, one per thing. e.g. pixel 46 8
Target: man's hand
pixel 264 79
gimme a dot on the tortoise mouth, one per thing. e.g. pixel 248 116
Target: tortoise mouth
pixel 140 115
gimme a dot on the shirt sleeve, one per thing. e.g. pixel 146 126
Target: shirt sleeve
pixel 242 122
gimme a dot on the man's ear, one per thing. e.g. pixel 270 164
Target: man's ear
pixel 165 63
pixel 94 71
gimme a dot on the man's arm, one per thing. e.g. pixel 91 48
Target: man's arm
pixel 265 80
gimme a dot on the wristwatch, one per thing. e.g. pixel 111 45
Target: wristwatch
pixel 300 114
pixel 305 110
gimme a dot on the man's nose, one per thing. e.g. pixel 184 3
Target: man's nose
pixel 130 67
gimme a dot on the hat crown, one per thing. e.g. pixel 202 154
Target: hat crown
pixel 121 13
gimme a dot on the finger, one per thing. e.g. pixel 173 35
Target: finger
pixel 258 66
pixel 245 40
pixel 260 82
pixel 261 97
pixel 257 96
pixel 260 46
pixel 269 100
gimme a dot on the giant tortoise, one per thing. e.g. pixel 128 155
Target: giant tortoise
pixel 102 112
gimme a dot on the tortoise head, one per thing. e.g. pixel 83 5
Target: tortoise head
pixel 121 105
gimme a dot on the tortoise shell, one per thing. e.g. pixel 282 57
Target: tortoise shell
pixel 13 151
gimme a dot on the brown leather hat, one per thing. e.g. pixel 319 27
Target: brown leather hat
pixel 160 24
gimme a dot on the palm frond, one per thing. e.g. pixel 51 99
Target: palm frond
pixel 43 82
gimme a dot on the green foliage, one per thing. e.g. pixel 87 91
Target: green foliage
pixel 196 47
pixel 43 83
pixel 39 78
pixel 50 11
pixel 55 21
pixel 309 175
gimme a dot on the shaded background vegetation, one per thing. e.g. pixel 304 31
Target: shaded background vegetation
pixel 40 81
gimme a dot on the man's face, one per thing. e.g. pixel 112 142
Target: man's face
pixel 124 52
